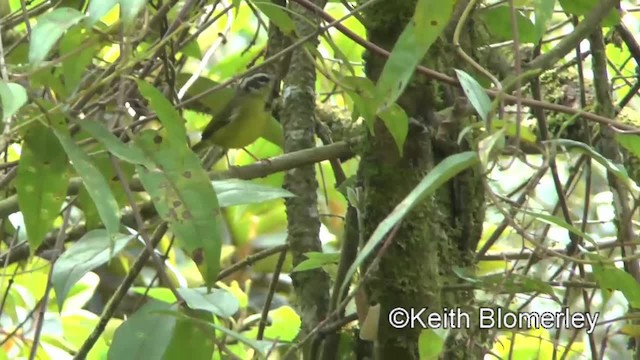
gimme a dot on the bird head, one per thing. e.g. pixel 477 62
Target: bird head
pixel 255 83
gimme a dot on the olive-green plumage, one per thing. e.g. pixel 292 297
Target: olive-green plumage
pixel 243 119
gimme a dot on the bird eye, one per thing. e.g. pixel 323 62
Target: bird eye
pixel 255 82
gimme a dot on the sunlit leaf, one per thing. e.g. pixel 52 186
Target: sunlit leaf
pixel 543 12
pixel 430 344
pixel 610 277
pixel 317 260
pixel 554 220
pixel 77 64
pixel 168 115
pixel 48 31
pixel 92 250
pixel 284 325
pixel 145 335
pixel 476 94
pixel 99 8
pixel 129 10
pixel 41 181
pixel 218 302
pixel 94 182
pixel 126 152
pixel 241 192
pixel 489 146
pixel 617 170
pixel 12 96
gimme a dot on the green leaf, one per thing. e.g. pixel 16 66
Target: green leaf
pixel 187 336
pixel 12 96
pixel 431 17
pixel 160 294
pixel 362 92
pixel 554 220
pixel 218 302
pixel 284 325
pixel 145 335
pixel 487 145
pixel 184 197
pixel 498 21
pixel 526 134
pixel 544 13
pixel 78 295
pixel 317 260
pixel 261 347
pixel 49 29
pixel 94 182
pixel 631 142
pixel 41 181
pixel 99 8
pixel 167 113
pixel 75 66
pixel 609 277
pixel 91 251
pixel 476 94
pixel 617 170
pixel 516 283
pixel 397 122
pixel 430 344
pixel 277 15
pixel 583 7
pixel 103 162
pixel 129 10
pixel 440 174
pixel 242 192
pixel 429 20
pixel 126 152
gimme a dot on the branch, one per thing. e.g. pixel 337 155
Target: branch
pixel 375 49
pixel 285 162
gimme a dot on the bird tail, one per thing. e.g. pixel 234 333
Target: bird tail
pixel 199 147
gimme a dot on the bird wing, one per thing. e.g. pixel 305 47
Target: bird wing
pixel 219 123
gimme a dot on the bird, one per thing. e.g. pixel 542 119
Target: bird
pixel 243 119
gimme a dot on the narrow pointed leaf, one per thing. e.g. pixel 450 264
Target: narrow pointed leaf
pixel 92 250
pixel 242 192
pixel 476 94
pixel 94 182
pixel 99 8
pixel 48 31
pixel 126 152
pixel 13 97
pixel 129 10
pixel 168 115
pixel 145 335
pixel 440 174
pixel 41 181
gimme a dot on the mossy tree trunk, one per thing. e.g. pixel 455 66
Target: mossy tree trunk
pixel 441 233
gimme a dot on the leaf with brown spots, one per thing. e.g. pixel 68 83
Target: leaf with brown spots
pixel 184 197
pixel 41 181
